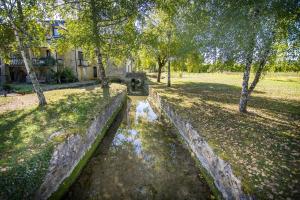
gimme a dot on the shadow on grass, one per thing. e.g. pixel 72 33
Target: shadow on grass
pixel 25 139
pixel 224 93
pixel 91 87
pixel 70 111
pixel 287 81
pixel 270 133
pixel 10 139
pixel 25 178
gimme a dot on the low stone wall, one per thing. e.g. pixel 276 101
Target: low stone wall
pixel 70 156
pixel 68 85
pixel 220 171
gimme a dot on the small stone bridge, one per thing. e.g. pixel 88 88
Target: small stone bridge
pixel 135 77
pixel 135 81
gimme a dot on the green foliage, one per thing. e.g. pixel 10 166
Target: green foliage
pixel 28 23
pixel 239 31
pixel 67 75
pixel 22 88
pixel 162 40
pixel 7 87
pixel 147 61
pixel 158 33
pixel 6 41
pixel 47 61
pixel 284 66
pixel 180 74
pixel 179 65
pixel 108 25
pixel 194 63
pixel 64 75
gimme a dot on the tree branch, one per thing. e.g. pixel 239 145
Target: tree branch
pixel 259 71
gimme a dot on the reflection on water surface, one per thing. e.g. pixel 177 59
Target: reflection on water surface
pixel 141 158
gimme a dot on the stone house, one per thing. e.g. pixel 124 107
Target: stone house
pixel 46 62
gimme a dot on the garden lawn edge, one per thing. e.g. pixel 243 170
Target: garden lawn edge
pixel 218 170
pixel 50 189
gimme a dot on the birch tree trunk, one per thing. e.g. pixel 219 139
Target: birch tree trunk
pixel 169 73
pixel 102 75
pixel 244 94
pixel 246 90
pixel 259 71
pixel 24 50
pixel 161 63
pixel 28 65
pixel 249 59
pixel 159 73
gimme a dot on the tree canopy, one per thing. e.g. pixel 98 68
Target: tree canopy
pixel 23 31
pixel 196 36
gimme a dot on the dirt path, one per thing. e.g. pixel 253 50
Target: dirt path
pixel 17 102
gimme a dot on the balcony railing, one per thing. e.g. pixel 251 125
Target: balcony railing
pixel 16 62
pixel 60 61
pixel 82 62
pixel 44 61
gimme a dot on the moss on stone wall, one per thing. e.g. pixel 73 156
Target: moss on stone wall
pixel 208 178
pixel 65 185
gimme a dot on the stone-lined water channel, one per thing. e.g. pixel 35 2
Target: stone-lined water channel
pixel 141 157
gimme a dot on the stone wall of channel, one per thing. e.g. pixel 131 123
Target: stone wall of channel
pixel 70 156
pixel 220 171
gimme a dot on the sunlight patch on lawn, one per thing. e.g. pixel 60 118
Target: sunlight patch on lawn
pixel 262 145
pixel 25 144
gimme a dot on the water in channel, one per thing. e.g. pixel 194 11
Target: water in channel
pixel 141 157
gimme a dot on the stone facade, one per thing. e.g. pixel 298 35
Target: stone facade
pixel 221 172
pixel 70 156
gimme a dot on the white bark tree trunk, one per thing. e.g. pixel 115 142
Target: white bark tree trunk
pixel 102 75
pixel 245 94
pixel 28 65
pixel 169 73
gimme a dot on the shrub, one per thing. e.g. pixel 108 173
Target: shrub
pixel 7 87
pixel 68 75
pixel 114 79
pixel 64 75
pixel 98 81
pixel 48 61
pixel 22 88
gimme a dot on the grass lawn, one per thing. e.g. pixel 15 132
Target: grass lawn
pixel 25 144
pixel 263 146
pixel 22 88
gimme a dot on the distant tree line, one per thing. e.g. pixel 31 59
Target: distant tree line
pixel 194 66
